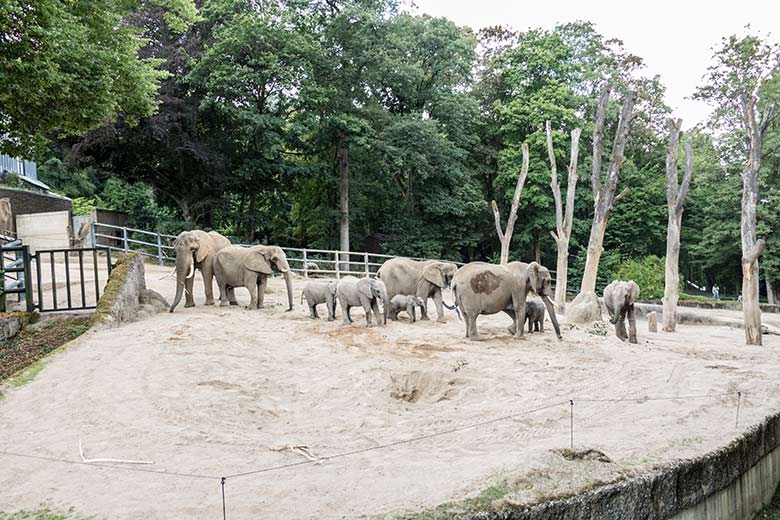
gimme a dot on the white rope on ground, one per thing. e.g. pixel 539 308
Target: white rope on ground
pixel 121 461
pixel 300 449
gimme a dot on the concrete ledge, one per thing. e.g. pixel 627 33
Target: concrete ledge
pixel 732 483
pixel 126 297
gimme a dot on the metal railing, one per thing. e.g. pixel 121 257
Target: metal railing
pixel 16 277
pixel 308 262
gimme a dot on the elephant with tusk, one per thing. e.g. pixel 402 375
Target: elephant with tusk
pixel 619 299
pixel 424 279
pixel 250 267
pixel 196 250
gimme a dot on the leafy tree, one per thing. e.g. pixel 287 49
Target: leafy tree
pixel 67 67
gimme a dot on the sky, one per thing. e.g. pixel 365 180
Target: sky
pixel 675 38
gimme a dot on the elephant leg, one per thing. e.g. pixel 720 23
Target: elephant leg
pixel 631 325
pixel 252 288
pixel 262 283
pixel 313 312
pixel 375 309
pixel 232 296
pixel 439 307
pixel 511 329
pixel 540 325
pixel 224 294
pixel 530 326
pixel 413 313
pixel 366 304
pixel 189 298
pixel 620 329
pixel 422 293
pixel 471 328
pixel 207 271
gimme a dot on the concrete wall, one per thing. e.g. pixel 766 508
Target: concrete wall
pixel 26 202
pixel 44 230
pixel 732 483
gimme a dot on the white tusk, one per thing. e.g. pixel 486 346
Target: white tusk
pixel 192 271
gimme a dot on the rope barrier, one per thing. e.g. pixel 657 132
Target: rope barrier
pixel 223 479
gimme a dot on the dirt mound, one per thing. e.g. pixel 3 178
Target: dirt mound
pixel 424 385
pixel 586 454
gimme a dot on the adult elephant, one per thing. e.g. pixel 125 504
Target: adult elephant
pixel 619 299
pixel 250 267
pixel 196 250
pixel 482 288
pixel 424 279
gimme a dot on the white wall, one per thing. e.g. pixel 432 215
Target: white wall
pixel 44 230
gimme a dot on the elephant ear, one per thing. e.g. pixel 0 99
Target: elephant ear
pixel 433 274
pixel 204 249
pixel 634 289
pixel 365 289
pixel 255 261
pixel 533 276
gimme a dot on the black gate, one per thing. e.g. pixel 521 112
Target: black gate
pixel 64 279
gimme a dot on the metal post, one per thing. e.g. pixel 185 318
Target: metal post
pixel 92 236
pixel 97 281
pixel 53 281
pixel 67 279
pixel 40 280
pixel 124 237
pixel 159 249
pixel 365 262
pixel 2 280
pixel 108 261
pixel 224 514
pixel 739 399
pixel 571 423
pixel 305 265
pixel 336 257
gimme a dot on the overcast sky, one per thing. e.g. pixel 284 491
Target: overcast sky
pixel 674 38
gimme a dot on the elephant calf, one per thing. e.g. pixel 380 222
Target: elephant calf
pixel 534 314
pixel 317 293
pixel 365 292
pixel 619 299
pixel 404 302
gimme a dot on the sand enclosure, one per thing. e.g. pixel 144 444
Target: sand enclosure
pixel 217 391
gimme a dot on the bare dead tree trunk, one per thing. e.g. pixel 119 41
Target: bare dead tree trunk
pixel 751 247
pixel 585 305
pixel 770 293
pixel 563 214
pixel 604 194
pixel 675 201
pixel 505 237
pixel 343 164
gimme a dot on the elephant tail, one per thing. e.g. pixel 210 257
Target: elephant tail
pixel 454 306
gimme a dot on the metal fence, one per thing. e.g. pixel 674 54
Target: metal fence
pixel 16 275
pixel 307 262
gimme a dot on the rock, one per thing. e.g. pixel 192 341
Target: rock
pixel 584 309
pixel 652 322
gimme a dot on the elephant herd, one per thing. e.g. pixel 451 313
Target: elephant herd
pixel 402 285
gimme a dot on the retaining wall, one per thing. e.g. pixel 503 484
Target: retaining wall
pixel 732 483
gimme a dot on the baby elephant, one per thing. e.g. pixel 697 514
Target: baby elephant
pixel 534 313
pixel 404 302
pixel 320 292
pixel 619 299
pixel 366 293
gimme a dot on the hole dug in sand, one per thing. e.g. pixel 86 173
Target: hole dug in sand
pixel 424 385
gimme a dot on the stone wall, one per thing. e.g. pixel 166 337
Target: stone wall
pixel 126 297
pixel 732 483
pixel 27 202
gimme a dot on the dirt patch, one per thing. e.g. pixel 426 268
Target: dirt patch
pixel 427 347
pixel 424 385
pixel 32 343
pixel 587 454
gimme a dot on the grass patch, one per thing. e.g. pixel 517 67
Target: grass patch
pixel 43 514
pixel 484 501
pixel 25 351
pixel 772 510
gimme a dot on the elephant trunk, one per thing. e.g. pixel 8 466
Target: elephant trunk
pixel 553 318
pixel 618 313
pixel 288 283
pixel 184 265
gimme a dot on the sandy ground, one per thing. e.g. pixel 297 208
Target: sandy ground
pixel 213 391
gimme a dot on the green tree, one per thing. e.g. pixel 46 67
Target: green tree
pixel 67 67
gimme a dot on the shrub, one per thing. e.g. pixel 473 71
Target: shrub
pixel 648 272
